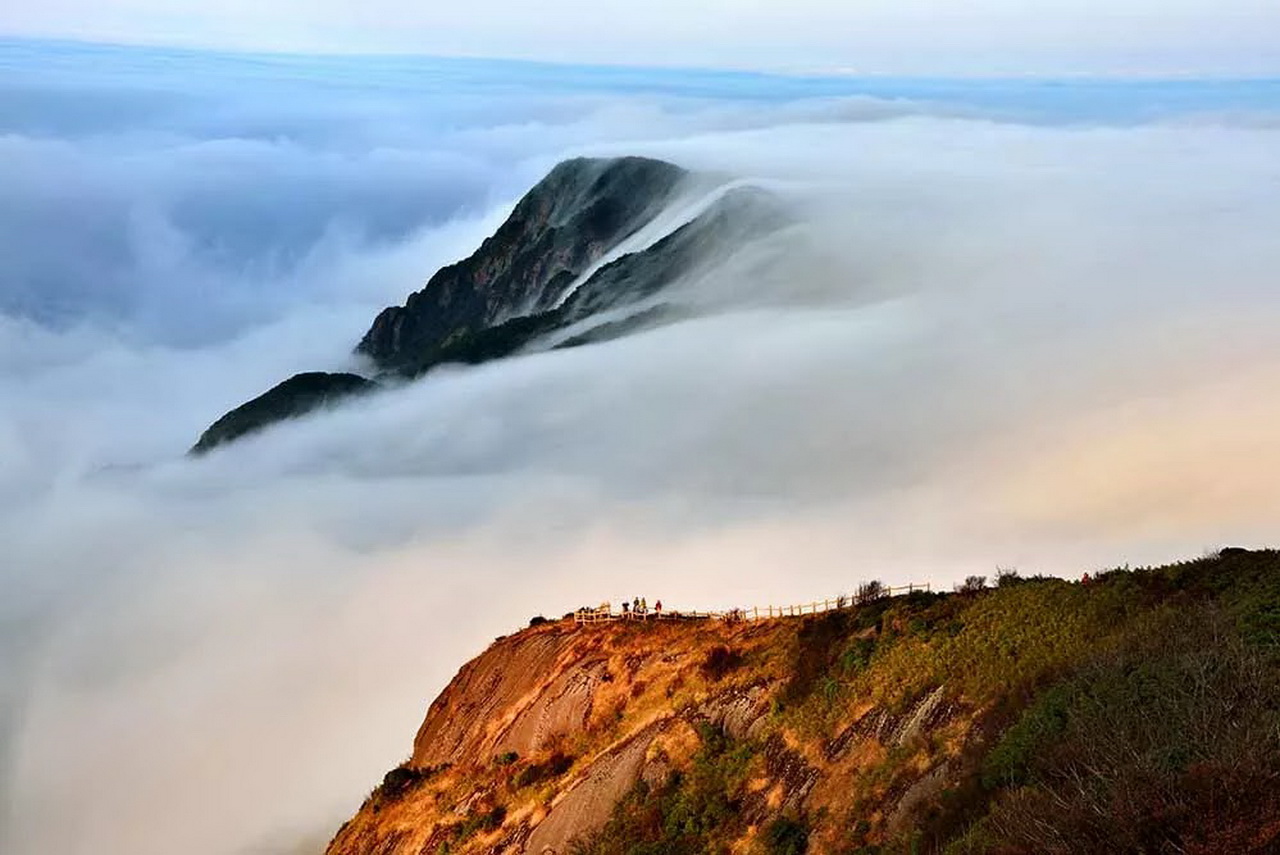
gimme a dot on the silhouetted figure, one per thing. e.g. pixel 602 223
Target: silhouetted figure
pixel 626 608
pixel 657 608
pixel 1085 579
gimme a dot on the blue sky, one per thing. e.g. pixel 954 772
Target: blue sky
pixel 929 37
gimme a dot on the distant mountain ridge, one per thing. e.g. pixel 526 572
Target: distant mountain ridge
pixel 556 264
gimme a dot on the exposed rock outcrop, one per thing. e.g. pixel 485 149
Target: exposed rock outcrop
pixel 588 802
pixel 520 695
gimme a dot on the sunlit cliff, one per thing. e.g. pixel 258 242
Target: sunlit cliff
pixel 1136 711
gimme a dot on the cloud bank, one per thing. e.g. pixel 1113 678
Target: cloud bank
pixel 1047 344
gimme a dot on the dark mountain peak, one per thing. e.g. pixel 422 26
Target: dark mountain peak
pixel 581 189
pixel 560 264
pixel 580 211
pixel 631 284
pixel 296 396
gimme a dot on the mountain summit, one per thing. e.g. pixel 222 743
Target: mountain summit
pixel 568 221
pixel 585 256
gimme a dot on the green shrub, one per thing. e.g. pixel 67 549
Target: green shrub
pixel 786 836
pixel 816 643
pixel 1169 742
pixel 1010 762
pixel 404 778
pixel 535 773
pixel 1006 577
pixel 487 820
pixel 856 655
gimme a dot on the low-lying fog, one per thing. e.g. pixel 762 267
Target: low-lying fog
pixel 996 338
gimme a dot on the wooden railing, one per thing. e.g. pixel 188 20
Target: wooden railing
pixel 604 613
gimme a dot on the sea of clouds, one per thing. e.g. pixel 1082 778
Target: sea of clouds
pixel 1016 325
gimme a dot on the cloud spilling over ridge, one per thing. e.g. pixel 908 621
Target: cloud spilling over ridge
pixel 987 342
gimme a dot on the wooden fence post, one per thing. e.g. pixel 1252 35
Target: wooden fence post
pixel 605 613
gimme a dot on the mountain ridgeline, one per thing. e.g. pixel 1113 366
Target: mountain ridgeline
pixel 582 258
pixel 1134 712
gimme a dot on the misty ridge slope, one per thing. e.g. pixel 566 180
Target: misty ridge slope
pixel 298 395
pixel 550 266
pixel 579 211
pixel 1134 712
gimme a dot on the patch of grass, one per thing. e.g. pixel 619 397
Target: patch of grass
pixel 992 642
pixel 487 820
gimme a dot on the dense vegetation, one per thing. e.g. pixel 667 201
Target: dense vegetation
pixel 1137 713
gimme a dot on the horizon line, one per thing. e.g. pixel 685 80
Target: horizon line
pixel 832 73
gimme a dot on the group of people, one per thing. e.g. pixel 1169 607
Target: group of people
pixel 640 606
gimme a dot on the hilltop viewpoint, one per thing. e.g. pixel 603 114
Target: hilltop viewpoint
pixel 1137 711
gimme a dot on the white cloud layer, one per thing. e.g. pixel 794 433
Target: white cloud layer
pixel 988 342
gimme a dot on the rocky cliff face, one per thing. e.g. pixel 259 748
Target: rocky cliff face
pixel 1136 713
pixel 543 271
